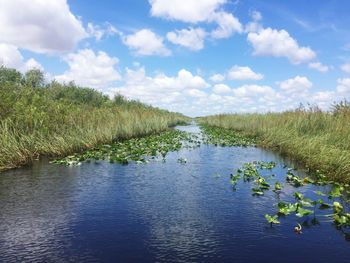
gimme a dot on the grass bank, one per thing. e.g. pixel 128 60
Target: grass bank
pixel 320 140
pixel 53 119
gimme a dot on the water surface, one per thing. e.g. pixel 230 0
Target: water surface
pixel 155 212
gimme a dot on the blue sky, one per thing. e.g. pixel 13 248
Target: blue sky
pixel 198 57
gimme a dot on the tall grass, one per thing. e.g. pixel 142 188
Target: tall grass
pixel 319 140
pixel 52 119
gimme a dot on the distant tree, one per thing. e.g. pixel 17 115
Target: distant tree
pixel 10 75
pixel 35 78
pixel 119 99
pixel 77 95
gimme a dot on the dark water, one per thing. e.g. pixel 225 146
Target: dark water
pixel 155 212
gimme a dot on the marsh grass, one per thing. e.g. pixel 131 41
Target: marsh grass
pixel 320 140
pixel 55 119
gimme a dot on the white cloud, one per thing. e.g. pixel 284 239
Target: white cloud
pixel 146 43
pixel 90 69
pixel 95 31
pixel 221 89
pixel 163 83
pixel 345 67
pixel 193 11
pixel 323 99
pixel 278 43
pixel 296 85
pixel 196 93
pixel 243 73
pixel 11 57
pixel 169 92
pixel 344 86
pixel 192 38
pixel 254 25
pixel 319 66
pixel 33 64
pixel 186 92
pixel 41 26
pixel 217 78
pixel 253 90
pixel 98 32
pixel 227 25
pixel 185 79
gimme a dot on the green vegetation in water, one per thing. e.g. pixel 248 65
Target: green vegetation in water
pixel 272 219
pixel 303 206
pixel 225 137
pixel 136 149
pixel 48 118
pixel 318 139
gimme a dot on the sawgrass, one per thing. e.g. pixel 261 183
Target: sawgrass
pixel 320 140
pixel 55 119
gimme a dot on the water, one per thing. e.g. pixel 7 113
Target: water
pixel 155 212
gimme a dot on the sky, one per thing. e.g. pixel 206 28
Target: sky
pixel 197 57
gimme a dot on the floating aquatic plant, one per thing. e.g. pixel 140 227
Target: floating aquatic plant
pixel 137 149
pixel 319 193
pixel 303 212
pixel 257 191
pixel 272 219
pixel 235 178
pixel 285 209
pixel 267 165
pixel 298 195
pixel 293 179
pixel 278 187
pixel 226 137
pixel 303 206
pixel 336 191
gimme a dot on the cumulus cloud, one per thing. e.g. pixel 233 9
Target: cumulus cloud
pixel 41 26
pixel 296 85
pixel 146 43
pixel 163 83
pixel 344 86
pixel 221 89
pixel 169 92
pixel 345 67
pixel 192 38
pixel 243 73
pixel 11 57
pixel 189 93
pixel 227 25
pixel 193 11
pixel 195 93
pixel 217 78
pixel 319 66
pixel 278 43
pixel 90 69
pixel 253 90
